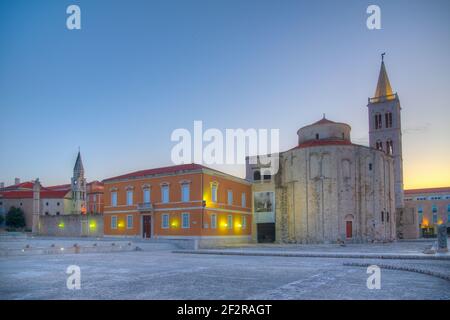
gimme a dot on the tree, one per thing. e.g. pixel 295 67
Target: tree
pixel 15 218
pixel 1 218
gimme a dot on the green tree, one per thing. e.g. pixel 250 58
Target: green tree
pixel 15 218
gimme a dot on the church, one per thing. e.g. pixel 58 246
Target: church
pixel 331 190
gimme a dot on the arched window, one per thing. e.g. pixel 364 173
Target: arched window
pixel 378 123
pixel 388 119
pixel 379 145
pixel 256 175
pixel 389 146
pixel 317 136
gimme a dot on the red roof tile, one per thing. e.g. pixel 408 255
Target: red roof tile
pixel 163 170
pixel 45 194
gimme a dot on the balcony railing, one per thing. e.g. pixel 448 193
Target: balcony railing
pixel 145 206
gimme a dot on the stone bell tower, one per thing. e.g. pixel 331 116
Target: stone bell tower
pixel 78 187
pixel 385 127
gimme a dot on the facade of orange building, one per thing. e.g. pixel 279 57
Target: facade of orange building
pixel 179 202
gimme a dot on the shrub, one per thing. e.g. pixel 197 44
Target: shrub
pixel 15 218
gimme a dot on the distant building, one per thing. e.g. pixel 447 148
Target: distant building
pixel 179 202
pixel 431 207
pixel 59 200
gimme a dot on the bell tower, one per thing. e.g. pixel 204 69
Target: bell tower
pixel 385 127
pixel 78 187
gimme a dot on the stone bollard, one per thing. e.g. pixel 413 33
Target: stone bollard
pixel 442 238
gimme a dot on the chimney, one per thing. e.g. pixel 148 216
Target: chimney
pixel 16 180
pixel 2 185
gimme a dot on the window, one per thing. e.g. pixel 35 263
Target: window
pixel 434 208
pixel 114 222
pixel 256 175
pixel 165 193
pixel 114 199
pixel 230 197
pixel 387 216
pixel 420 214
pixel 214 192
pixel 435 217
pixel 243 200
pixel 57 213
pixel 389 146
pixel 129 197
pixel 165 221
pixel 185 192
pixel 244 222
pixel 379 145
pixel 147 195
pixel 46 213
pixel 448 208
pixel 317 136
pixel 129 221
pixel 388 119
pixel 382 216
pixel 378 123
pixel 185 220
pixel 267 177
pixel 46 204
pixel 230 222
pixel 57 204
pixel 213 221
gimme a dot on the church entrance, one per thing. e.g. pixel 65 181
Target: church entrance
pixel 349 229
pixel 266 232
pixel 146 226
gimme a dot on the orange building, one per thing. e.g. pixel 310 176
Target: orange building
pixel 94 197
pixel 179 202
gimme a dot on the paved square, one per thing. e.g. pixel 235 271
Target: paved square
pixel 157 273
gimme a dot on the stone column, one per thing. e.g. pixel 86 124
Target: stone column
pixel 442 238
pixel 36 206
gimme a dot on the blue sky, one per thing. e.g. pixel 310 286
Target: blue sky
pixel 137 70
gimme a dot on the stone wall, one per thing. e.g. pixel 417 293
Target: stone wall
pixel 71 225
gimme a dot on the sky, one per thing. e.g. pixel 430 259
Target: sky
pixel 137 70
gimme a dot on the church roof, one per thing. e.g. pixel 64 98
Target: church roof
pixel 384 88
pixel 78 164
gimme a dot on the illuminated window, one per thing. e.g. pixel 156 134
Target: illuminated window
pixel 244 222
pixel 230 222
pixel 114 199
pixel 213 221
pixel 214 192
pixel 114 222
pixel 165 193
pixel 244 200
pixel 185 223
pixel 147 195
pixel 129 197
pixel 130 222
pixel 185 192
pixel 165 221
pixel 230 197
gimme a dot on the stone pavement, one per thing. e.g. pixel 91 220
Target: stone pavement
pixel 155 272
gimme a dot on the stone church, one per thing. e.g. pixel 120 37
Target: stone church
pixel 329 189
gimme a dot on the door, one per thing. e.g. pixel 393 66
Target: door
pixel 266 232
pixel 349 229
pixel 147 226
